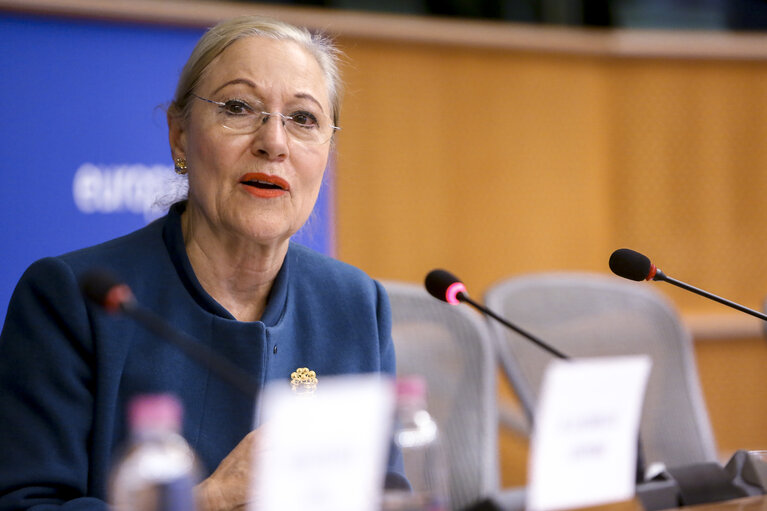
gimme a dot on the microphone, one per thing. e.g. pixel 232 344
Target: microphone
pixel 104 289
pixel 445 286
pixel 632 265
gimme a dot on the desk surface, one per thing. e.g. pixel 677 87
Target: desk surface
pixel 758 503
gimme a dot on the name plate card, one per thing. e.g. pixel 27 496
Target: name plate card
pixel 327 450
pixel 583 450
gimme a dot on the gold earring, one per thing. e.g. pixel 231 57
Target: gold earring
pixel 180 166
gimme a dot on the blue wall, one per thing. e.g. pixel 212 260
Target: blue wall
pixel 83 139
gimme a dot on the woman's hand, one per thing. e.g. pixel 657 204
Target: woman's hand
pixel 229 486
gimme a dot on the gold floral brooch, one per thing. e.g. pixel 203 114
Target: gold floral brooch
pixel 303 381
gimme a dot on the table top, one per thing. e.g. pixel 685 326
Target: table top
pixel 758 503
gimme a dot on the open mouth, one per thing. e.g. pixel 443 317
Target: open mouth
pixel 264 185
pixel 263 181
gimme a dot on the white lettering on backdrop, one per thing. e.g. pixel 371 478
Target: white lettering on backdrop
pixel 133 188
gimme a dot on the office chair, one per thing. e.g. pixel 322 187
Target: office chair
pixel 589 315
pixel 451 348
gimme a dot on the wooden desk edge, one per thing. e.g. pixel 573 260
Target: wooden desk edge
pixel 723 326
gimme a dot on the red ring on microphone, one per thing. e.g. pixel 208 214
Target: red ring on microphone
pixel 116 297
pixel 451 295
pixel 653 271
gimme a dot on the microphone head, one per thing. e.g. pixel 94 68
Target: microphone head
pixel 445 286
pixel 631 265
pixel 105 289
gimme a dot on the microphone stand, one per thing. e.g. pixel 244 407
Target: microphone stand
pixel 463 297
pixel 200 353
pixel 659 275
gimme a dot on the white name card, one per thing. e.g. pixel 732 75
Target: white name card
pixel 326 451
pixel 584 444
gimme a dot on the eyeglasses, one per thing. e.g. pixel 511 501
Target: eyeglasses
pixel 305 125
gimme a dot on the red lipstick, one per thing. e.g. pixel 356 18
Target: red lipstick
pixel 265 186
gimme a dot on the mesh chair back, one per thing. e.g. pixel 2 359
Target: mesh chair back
pixel 451 348
pixel 589 315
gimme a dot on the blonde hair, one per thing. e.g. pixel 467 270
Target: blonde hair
pixel 222 35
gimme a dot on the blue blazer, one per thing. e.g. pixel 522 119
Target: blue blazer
pixel 68 368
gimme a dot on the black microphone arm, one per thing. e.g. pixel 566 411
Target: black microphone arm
pixel 664 278
pixel 632 265
pixel 445 286
pixel 465 298
pixel 104 289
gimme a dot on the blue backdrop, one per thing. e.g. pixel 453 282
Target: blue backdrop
pixel 84 150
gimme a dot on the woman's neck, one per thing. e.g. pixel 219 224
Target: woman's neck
pixel 238 273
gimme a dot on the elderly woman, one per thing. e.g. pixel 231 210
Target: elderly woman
pixel 251 125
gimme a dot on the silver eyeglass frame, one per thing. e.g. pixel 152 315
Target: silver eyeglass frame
pixel 267 115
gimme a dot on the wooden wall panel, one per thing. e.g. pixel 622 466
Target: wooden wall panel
pixel 485 162
pixel 732 375
pixel 689 172
pixel 495 163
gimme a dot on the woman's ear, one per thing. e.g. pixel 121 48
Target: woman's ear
pixel 176 135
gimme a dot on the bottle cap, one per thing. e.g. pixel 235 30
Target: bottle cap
pixel 411 388
pixel 155 411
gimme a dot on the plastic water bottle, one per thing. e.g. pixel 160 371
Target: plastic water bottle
pixel 417 436
pixel 158 469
